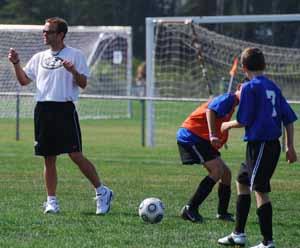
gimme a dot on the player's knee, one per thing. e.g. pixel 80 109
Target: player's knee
pixel 227 173
pixel 226 179
pixel 242 189
pixel 217 172
pixel 50 161
pixel 261 196
pixel 76 156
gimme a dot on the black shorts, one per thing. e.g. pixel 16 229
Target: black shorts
pixel 197 153
pixel 56 128
pixel 261 161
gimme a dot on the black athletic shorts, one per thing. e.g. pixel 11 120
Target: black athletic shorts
pixel 197 153
pixel 261 161
pixel 56 128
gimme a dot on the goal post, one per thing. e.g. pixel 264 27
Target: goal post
pixel 150 54
pixel 188 59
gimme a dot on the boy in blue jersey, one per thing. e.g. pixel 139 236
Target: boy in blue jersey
pixel 262 111
pixel 199 138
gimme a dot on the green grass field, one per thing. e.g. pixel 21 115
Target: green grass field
pixel 134 173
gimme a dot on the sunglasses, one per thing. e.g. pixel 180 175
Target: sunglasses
pixel 49 32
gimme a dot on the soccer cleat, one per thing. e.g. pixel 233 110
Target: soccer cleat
pixel 103 201
pixel 51 207
pixel 261 245
pixel 191 214
pixel 225 217
pixel 233 239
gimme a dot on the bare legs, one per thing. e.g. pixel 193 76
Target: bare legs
pixel 85 166
pixel 50 175
pixel 218 170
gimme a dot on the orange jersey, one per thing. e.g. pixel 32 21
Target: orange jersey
pixel 196 122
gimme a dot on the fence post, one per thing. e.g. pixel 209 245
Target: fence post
pixel 18 116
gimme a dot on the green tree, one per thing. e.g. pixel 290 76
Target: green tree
pixel 134 12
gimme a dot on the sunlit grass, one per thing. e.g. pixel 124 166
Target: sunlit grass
pixel 134 173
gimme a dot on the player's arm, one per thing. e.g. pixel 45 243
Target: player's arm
pixel 288 119
pixel 79 79
pixel 291 155
pixel 226 126
pixel 211 122
pixel 20 74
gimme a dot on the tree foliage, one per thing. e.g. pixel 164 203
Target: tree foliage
pixel 134 12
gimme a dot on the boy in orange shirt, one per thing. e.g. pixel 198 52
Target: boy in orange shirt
pixel 199 138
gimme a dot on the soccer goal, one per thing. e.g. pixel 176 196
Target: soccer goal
pixel 190 59
pixel 109 55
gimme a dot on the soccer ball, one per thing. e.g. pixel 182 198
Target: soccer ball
pixel 151 210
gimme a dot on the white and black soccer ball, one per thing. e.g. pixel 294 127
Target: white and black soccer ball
pixel 151 210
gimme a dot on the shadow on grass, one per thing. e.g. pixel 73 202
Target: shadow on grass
pixel 112 213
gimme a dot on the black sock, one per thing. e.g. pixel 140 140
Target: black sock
pixel 264 214
pixel 224 192
pixel 202 192
pixel 242 210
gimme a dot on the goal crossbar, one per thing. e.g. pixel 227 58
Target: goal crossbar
pixel 30 28
pixel 228 19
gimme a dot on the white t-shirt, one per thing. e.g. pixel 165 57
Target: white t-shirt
pixel 53 81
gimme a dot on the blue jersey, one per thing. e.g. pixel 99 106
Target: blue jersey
pixel 223 104
pixel 263 109
pixel 196 126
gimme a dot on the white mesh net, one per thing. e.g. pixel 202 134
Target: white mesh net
pixel 192 61
pixel 107 49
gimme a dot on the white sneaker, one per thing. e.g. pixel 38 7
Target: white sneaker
pixel 103 201
pixel 261 245
pixel 233 239
pixel 51 207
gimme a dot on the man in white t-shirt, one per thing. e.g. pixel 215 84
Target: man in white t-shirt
pixel 58 73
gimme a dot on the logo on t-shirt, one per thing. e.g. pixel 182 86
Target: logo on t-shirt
pixel 52 62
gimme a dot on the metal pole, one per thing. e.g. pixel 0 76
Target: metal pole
pixel 142 122
pixel 18 117
pixel 231 18
pixel 149 81
pixel 129 71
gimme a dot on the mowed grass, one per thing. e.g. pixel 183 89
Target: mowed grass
pixel 134 173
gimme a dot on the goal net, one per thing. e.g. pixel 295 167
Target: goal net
pixel 189 60
pixel 109 55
